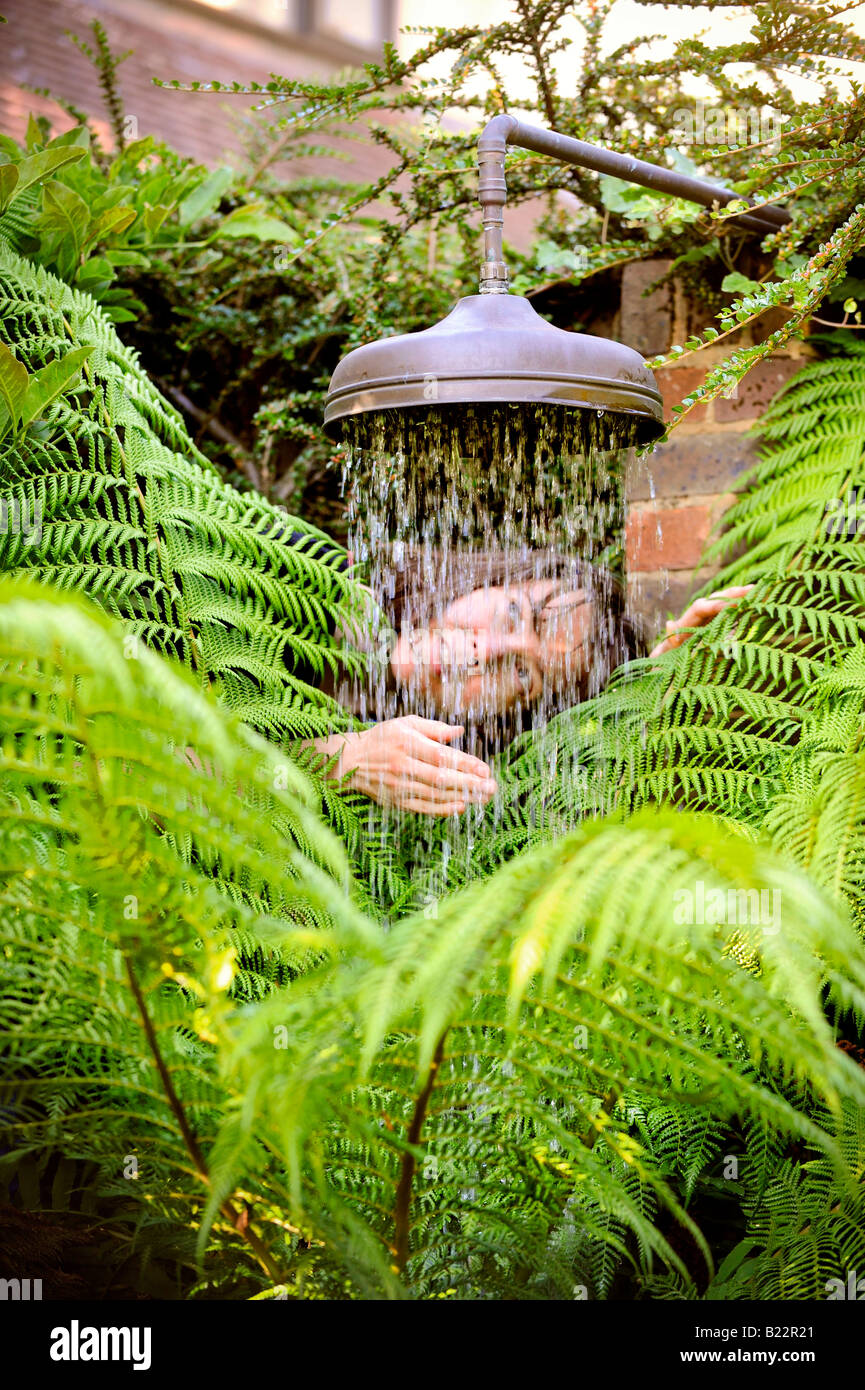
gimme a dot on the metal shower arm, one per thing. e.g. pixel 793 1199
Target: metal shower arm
pixel 492 187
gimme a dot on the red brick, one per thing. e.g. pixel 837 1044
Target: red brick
pixel 192 42
pixel 674 383
pixel 758 388
pixel 667 537
pixel 699 317
pixel 769 323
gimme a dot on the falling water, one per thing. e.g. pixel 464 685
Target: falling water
pixel 446 500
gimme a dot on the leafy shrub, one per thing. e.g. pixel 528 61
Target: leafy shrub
pixel 528 1087
pixel 558 1062
pixel 242 334
pixel 496 1101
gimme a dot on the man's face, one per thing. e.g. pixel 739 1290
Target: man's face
pixel 496 648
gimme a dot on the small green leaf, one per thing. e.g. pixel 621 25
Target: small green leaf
pixel 39 166
pixel 8 183
pixel 154 218
pixel 132 155
pixel 203 199
pixel 13 383
pixel 112 197
pixel 95 275
pixel 250 221
pixel 9 148
pixel 788 264
pixel 630 201
pixel 110 223
pixel 79 135
pixel 125 257
pixel 49 382
pixel 35 135
pixel 736 283
pixel 66 216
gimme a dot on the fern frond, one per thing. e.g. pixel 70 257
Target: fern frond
pixel 121 508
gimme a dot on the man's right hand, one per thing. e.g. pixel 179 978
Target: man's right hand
pixel 407 763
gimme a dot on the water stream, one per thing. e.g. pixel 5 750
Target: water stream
pixel 445 501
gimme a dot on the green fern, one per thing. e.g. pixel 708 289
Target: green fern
pixel 132 517
pixel 454 1104
pixel 796 512
pixel 723 723
pixel 118 506
pixel 515 1092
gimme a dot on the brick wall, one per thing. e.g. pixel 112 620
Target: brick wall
pixel 191 42
pixel 183 40
pixel 677 496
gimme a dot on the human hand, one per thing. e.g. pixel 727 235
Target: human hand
pixel 701 612
pixel 406 763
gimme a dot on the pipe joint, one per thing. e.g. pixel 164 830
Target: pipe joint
pixel 496 133
pixel 492 196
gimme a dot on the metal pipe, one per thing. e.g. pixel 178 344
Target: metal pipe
pixel 502 131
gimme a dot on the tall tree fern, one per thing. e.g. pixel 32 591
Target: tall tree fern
pixel 154 853
pixel 127 512
pixel 105 495
pixel 458 1104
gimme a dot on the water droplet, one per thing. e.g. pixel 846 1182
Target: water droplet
pixel 444 501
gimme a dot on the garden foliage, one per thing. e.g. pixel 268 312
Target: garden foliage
pixel 575 1060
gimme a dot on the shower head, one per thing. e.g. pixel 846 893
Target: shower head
pixel 495 348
